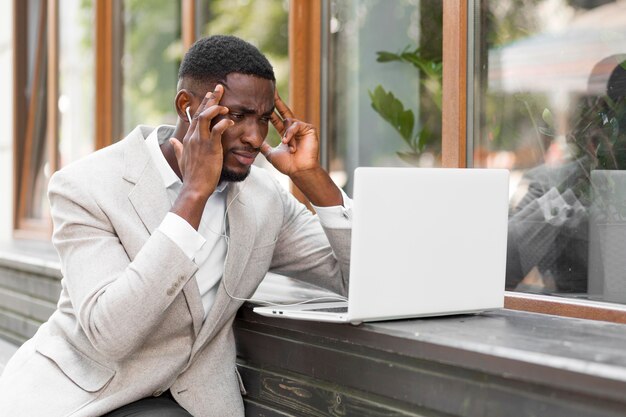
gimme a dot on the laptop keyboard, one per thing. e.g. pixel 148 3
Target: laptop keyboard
pixel 331 310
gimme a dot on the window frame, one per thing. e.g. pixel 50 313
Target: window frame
pixel 23 120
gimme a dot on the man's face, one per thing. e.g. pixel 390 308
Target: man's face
pixel 250 100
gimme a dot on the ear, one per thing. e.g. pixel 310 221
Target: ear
pixel 184 99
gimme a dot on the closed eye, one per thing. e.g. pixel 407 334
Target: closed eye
pixel 237 116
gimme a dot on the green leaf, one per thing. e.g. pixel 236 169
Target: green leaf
pixel 384 56
pixel 547 117
pixel 392 111
pixel 424 137
pixel 406 122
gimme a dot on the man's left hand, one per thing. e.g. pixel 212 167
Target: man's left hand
pixel 297 157
pixel 299 145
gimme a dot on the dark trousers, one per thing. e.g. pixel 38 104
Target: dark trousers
pixel 162 406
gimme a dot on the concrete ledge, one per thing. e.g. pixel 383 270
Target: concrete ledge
pixel 30 284
pixel 7 349
pixel 501 363
pixel 33 258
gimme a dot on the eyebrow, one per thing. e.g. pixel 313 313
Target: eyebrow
pixel 247 110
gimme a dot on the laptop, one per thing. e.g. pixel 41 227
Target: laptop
pixel 425 242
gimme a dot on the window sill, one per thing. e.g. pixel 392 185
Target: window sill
pixel 503 361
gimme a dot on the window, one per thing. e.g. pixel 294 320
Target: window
pixel 93 70
pixel 151 53
pixel 77 87
pixel 384 92
pixel 33 159
pixel 550 106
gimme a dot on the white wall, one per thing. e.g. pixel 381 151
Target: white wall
pixel 6 120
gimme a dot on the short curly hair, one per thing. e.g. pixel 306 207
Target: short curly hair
pixel 211 59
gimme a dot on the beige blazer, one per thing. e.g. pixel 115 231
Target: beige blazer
pixel 129 322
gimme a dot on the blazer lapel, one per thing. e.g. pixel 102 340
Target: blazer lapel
pixel 150 200
pixel 148 196
pixel 242 226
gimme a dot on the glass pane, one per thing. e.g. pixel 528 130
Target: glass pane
pixel 551 77
pixel 384 91
pixel 263 23
pixel 34 163
pixel 152 51
pixel 76 79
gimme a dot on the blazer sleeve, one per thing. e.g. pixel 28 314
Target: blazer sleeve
pixel 118 302
pixel 309 252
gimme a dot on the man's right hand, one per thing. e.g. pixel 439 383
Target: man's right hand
pixel 200 154
pixel 200 157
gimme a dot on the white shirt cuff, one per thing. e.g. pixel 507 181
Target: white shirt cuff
pixel 182 234
pixel 336 217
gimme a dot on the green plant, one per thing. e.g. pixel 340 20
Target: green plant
pixel 393 111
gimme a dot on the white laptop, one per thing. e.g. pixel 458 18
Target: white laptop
pixel 425 242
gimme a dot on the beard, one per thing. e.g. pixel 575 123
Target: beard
pixel 231 176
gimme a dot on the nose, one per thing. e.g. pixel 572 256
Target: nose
pixel 254 134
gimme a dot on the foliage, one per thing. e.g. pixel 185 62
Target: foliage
pixel 151 57
pixel 393 111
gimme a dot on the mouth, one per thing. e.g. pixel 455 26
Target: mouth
pixel 245 158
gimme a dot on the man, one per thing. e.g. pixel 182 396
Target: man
pixel 163 235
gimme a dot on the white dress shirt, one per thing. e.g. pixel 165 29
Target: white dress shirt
pixel 207 246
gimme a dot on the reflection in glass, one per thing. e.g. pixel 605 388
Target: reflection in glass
pixel 34 161
pixel 384 85
pixel 76 80
pixel 550 107
pixel 152 51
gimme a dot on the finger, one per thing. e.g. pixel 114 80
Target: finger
pixel 290 136
pixel 266 150
pixel 284 111
pixel 178 151
pixel 287 123
pixel 291 130
pixel 277 122
pixel 206 117
pixel 217 131
pixel 203 104
pixel 211 98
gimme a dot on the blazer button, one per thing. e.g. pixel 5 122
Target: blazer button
pixel 157 393
pixel 170 291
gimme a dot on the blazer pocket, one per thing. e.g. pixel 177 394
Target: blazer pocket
pixel 80 369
